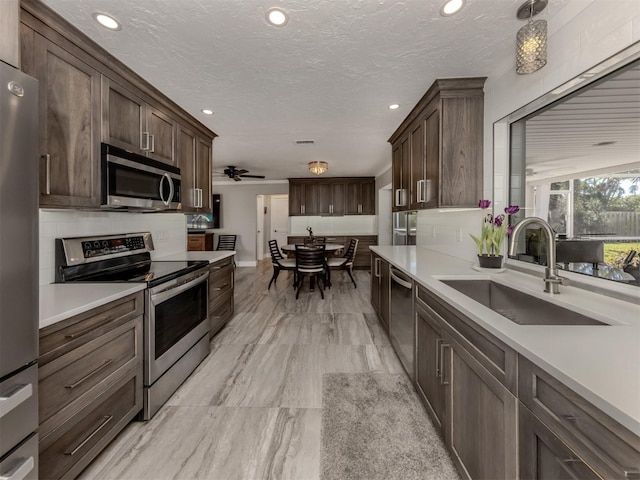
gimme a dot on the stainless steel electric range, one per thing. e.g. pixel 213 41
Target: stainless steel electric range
pixel 176 327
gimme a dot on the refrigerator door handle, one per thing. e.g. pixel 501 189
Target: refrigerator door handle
pixel 20 471
pixel 16 398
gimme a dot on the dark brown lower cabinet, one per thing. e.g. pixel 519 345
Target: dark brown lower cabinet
pixel 475 410
pixel 543 456
pixel 381 289
pixel 221 290
pixel 429 382
pixel 482 426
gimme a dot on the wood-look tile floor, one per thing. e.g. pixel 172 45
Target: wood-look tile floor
pixel 252 409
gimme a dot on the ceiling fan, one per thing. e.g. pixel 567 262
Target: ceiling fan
pixel 236 173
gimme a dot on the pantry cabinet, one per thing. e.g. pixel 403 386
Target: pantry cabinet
pixel 437 151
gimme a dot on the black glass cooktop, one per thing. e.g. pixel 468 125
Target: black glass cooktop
pixel 149 272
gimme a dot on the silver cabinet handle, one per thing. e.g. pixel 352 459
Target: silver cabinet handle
pixel 195 198
pixel 359 208
pixel 397 197
pixel 18 396
pixel 376 267
pixel 443 381
pixel 47 172
pixel 20 471
pixel 422 194
pixel 438 342
pixel 144 146
pixel 105 421
pixel 153 143
pixel 632 474
pixel 303 209
pixel 88 375
pixel 217 289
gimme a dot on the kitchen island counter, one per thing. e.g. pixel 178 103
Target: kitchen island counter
pixel 601 363
pixel 206 256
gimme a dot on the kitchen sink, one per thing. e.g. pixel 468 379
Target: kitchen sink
pixel 517 306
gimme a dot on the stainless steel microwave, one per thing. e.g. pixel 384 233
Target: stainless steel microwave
pixel 133 182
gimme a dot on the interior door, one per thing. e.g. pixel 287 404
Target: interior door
pixel 260 227
pixel 280 218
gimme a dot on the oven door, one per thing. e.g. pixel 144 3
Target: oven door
pixel 176 319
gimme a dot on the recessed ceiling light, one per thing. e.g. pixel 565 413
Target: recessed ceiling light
pixel 207 111
pixel 107 21
pixel 451 7
pixel 393 106
pixel 277 17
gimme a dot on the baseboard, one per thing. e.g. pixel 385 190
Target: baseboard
pixel 247 263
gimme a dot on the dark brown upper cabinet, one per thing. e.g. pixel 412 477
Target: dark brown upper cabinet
pixel 194 155
pixel 87 97
pixel 437 156
pixel 132 124
pixel 69 121
pixel 332 196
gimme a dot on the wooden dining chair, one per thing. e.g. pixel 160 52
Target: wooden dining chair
pixel 344 263
pixel 280 263
pixel 311 262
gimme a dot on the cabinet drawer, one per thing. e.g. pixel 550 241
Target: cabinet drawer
pixel 500 359
pixel 64 336
pixel 70 376
pixel 80 439
pixel 611 449
pixel 220 282
pixel 220 264
pixel 195 243
pixel 220 312
pixel 543 456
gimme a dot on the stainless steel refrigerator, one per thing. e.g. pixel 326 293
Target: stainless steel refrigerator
pixel 18 274
pixel 405 227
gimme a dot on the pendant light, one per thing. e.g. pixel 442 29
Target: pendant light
pixel 531 40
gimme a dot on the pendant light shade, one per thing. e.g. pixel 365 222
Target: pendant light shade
pixel 318 167
pixel 531 47
pixel 531 40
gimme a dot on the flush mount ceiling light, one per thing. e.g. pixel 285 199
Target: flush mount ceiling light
pixel 318 167
pixel 207 111
pixel 531 40
pixel 277 17
pixel 107 21
pixel 451 7
pixel 394 106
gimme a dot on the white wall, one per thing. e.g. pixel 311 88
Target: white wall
pixel 169 232
pixel 238 214
pixel 582 34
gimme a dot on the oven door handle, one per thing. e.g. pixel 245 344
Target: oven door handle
pixel 164 295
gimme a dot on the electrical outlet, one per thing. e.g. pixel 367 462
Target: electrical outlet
pixel 162 236
pixel 459 235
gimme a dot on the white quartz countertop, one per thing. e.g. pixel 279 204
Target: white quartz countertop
pixel 60 301
pixel 208 256
pixel 601 363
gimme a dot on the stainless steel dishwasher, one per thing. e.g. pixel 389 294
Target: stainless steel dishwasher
pixel 401 323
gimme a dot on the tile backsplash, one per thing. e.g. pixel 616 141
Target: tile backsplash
pixel 168 230
pixel 448 231
pixel 348 224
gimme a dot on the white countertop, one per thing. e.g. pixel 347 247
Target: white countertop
pixel 601 363
pixel 207 256
pixel 324 234
pixel 59 301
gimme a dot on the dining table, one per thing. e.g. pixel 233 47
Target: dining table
pixel 329 247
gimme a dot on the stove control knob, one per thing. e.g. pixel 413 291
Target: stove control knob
pixel 105 251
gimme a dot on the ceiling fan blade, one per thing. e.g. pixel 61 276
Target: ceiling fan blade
pixel 236 178
pixel 252 176
pixel 241 171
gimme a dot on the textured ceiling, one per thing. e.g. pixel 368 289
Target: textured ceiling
pixel 567 139
pixel 328 75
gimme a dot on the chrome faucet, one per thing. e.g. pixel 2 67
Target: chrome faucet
pixel 551 278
